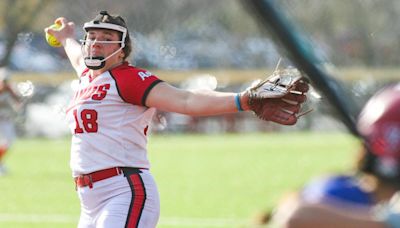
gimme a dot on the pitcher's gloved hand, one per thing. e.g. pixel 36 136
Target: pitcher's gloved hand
pixel 279 97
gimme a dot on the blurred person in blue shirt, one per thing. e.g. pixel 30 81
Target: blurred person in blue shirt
pixel 367 198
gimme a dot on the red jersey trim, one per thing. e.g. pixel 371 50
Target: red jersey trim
pixel 84 72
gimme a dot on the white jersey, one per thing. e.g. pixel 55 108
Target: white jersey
pixel 108 120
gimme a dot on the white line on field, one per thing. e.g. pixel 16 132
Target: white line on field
pixel 203 222
pixel 38 218
pixel 170 221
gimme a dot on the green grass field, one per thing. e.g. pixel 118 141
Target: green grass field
pixel 204 181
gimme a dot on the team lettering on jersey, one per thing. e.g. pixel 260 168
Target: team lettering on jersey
pixel 96 92
pixel 144 75
pixel 86 120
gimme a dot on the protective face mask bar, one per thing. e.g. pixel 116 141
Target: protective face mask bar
pixel 96 62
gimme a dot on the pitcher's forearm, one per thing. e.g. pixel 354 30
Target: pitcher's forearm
pixel 74 53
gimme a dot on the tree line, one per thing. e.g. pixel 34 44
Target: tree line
pixel 355 32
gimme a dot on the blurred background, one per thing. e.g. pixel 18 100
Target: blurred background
pixel 192 44
pixel 210 44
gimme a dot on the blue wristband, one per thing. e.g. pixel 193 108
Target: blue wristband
pixel 237 102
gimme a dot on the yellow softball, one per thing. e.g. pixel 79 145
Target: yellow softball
pixel 51 40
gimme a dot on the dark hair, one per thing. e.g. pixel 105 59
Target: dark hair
pixel 104 17
pixel 367 163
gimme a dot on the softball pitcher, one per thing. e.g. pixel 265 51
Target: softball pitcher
pixel 110 114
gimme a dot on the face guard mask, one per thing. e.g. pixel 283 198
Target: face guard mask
pixel 98 62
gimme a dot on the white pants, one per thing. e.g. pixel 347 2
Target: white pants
pixel 126 200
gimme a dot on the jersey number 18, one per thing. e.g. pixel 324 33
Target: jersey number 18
pixel 89 121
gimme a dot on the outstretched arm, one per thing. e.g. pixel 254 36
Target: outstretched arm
pixel 66 36
pixel 192 102
pixel 309 215
pixel 278 99
pixel 295 213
